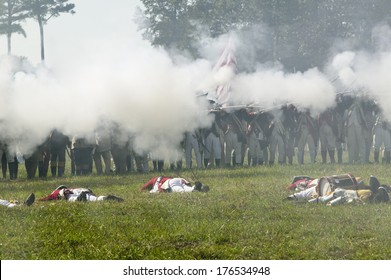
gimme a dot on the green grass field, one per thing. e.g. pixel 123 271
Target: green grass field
pixel 242 217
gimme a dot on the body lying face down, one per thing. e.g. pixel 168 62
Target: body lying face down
pixel 338 189
pixel 171 184
pixel 77 194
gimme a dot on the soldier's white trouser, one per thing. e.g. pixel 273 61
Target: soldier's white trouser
pixel 306 138
pixel 254 147
pixel 213 147
pixel 6 203
pixel 381 137
pixel 232 144
pixel 191 144
pixel 277 144
pixel 356 143
pixel 327 138
pixel 90 197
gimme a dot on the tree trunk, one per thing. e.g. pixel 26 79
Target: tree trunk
pixel 9 43
pixel 42 38
pixel 9 33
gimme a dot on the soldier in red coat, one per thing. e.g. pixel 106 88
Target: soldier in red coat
pixel 170 184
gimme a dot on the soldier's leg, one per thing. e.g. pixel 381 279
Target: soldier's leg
pixel 238 146
pixel 323 153
pixel 197 153
pixel 332 155
pixel 387 145
pixel 53 162
pixel 217 151
pixel 160 165
pixel 312 149
pixel 377 141
pixel 229 147
pixel 12 168
pixel 106 155
pixel 300 149
pixel 351 142
pixel 98 163
pixel 3 158
pixel 61 162
pixel 28 164
pixel 281 150
pixel 188 152
pixel 363 142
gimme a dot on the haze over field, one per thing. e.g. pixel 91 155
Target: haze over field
pixel 99 68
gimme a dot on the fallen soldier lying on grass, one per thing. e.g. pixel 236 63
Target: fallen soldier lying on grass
pixel 170 184
pixel 338 189
pixel 12 203
pixel 77 194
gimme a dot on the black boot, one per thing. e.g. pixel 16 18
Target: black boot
pixel 160 165
pixel 324 156
pixel 4 166
pixel 332 157
pixel 11 168
pixel 60 171
pixel 218 163
pixel 53 170
pixel 376 156
pixel 206 161
pixel 339 155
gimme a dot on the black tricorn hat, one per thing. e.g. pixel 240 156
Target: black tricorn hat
pixel 374 183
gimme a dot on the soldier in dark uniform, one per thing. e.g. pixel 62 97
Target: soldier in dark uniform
pixel 307 134
pixel 58 143
pixel 82 152
pixel 3 157
pixel 290 124
pixel 120 149
pixel 31 163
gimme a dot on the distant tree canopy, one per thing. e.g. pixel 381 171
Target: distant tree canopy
pixel 13 12
pixel 43 10
pixel 302 32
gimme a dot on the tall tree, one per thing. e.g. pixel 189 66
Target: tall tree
pixel 12 12
pixel 168 23
pixel 301 33
pixel 43 10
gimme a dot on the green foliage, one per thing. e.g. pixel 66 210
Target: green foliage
pixel 242 217
pixel 302 31
pixel 12 13
pixel 43 10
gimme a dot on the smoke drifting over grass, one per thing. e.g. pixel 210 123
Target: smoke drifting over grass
pixel 140 90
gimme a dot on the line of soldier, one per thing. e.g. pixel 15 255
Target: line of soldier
pixel 355 124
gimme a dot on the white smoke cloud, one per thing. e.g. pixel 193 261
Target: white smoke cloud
pixel 269 88
pixel 141 89
pixel 368 72
pixel 153 98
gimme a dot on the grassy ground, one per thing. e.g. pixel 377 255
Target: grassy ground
pixel 242 217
